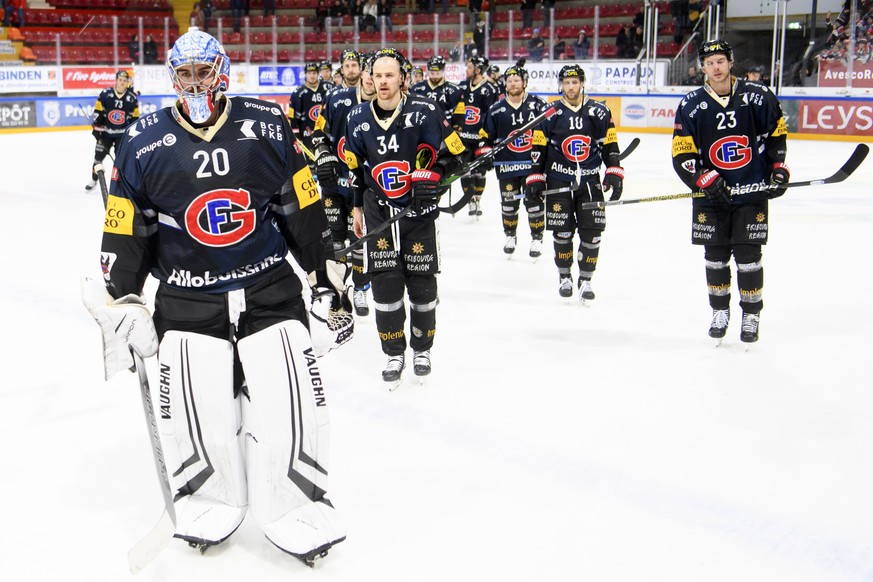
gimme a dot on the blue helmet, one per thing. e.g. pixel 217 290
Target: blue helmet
pixel 199 93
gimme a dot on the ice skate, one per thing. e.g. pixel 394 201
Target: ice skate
pixel 509 245
pixel 586 294
pixel 719 325
pixel 565 287
pixel 90 185
pixel 749 328
pixel 421 364
pixel 473 208
pixel 536 248
pixel 360 301
pixel 392 375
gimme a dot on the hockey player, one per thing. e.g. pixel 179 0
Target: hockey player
pixel 498 80
pixel 212 214
pixel 398 148
pixel 305 104
pixel 581 137
pixel 116 108
pixel 729 140
pixel 436 88
pixel 514 163
pixel 477 96
pixel 350 63
pixel 329 139
pixel 325 73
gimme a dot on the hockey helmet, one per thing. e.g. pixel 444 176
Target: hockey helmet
pixel 313 67
pixel 122 74
pixel 350 54
pixel 571 71
pixel 436 63
pixel 199 93
pixel 325 65
pixel 391 53
pixel 493 69
pixel 480 63
pixel 517 69
pixel 715 47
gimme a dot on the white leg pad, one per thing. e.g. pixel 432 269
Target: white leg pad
pixel 200 425
pixel 287 425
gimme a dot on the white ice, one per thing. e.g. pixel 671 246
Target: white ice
pixel 552 441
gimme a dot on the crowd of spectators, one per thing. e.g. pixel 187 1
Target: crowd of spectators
pixel 839 33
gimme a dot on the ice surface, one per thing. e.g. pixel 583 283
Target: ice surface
pixel 551 442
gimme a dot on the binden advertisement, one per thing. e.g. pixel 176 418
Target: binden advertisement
pixel 28 79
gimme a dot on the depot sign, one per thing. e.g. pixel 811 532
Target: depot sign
pixel 830 117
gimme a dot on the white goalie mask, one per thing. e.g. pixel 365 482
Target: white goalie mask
pixel 200 70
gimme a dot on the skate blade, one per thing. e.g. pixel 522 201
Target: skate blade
pixel 586 303
pixel 392 385
pixel 718 341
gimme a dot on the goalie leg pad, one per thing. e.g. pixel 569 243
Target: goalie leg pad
pixel 287 430
pixel 199 422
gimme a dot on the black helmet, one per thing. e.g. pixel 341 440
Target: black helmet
pixel 568 71
pixel 436 63
pixel 714 47
pixel 517 69
pixel 493 69
pixel 310 67
pixel 350 54
pixel 480 63
pixel 325 65
pixel 405 66
pixel 122 74
pixel 757 69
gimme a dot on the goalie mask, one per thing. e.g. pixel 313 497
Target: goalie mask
pixel 200 71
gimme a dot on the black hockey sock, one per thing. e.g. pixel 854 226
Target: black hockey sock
pixel 718 275
pixel 390 312
pixel 564 251
pixel 750 277
pixel 422 310
pixel 589 250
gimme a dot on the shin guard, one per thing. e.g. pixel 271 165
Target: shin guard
pixel 287 428
pixel 199 422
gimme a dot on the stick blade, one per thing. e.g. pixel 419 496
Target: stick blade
pixel 857 157
pixel 152 544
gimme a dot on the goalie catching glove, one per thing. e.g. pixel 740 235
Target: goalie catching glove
pixel 331 323
pixel 125 323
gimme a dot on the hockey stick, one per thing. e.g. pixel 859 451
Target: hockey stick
pixel 630 148
pixel 449 180
pixel 101 179
pixel 156 540
pixel 844 172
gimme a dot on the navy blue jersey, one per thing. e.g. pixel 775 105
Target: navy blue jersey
pixel 580 140
pixel 304 107
pixel 330 127
pixel 113 112
pixel 446 94
pixel 213 209
pixel 517 158
pixel 381 154
pixel 740 137
pixel 472 108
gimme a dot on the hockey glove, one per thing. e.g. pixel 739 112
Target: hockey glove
pixel 327 170
pixel 534 186
pixel 329 327
pixel 714 186
pixel 334 277
pixel 613 179
pixel 779 176
pixel 425 191
pixel 125 323
pixel 487 165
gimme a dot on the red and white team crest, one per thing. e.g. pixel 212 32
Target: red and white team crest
pixel 472 115
pixel 731 152
pixel 116 117
pixel 576 148
pixel 521 143
pixel 220 218
pixel 341 148
pixel 393 177
pixel 313 112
